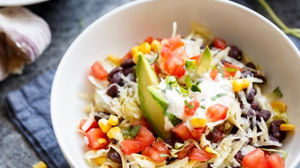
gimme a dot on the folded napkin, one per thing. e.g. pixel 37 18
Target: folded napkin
pixel 29 109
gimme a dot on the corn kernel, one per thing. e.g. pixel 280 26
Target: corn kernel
pixel 209 149
pixel 281 107
pixel 102 141
pixel 287 127
pixel 236 86
pixel 40 164
pixel 112 132
pixel 113 120
pixel 134 50
pixel 145 48
pixel 100 160
pixel 104 125
pixel 198 122
pixel 114 59
pixel 136 57
pixel 244 83
pixel 156 45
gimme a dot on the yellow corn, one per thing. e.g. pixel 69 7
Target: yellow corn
pixel 156 45
pixel 112 132
pixel 134 50
pixel 102 141
pixel 236 86
pixel 104 125
pixel 40 164
pixel 287 127
pixel 210 150
pixel 136 57
pixel 145 48
pixel 198 122
pixel 244 83
pixel 100 160
pixel 114 59
pixel 113 120
pixel 281 107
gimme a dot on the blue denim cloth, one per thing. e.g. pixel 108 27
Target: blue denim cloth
pixel 29 108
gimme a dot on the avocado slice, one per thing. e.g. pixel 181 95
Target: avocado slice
pixel 150 108
pixel 158 98
pixel 205 62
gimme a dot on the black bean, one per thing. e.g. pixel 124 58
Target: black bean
pixel 116 78
pixel 265 114
pixel 112 91
pixel 250 96
pixel 114 156
pixel 202 46
pixel 215 136
pixel 127 71
pixel 260 77
pixel 171 141
pixel 246 73
pixel 127 63
pixel 113 141
pixel 251 112
pixel 239 157
pixel 235 53
pixel 254 104
pixel 234 130
pixel 251 65
pixel 275 131
pixel 110 75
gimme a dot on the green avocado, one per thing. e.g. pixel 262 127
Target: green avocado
pixel 151 109
pixel 205 62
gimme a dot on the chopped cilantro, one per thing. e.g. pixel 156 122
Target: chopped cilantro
pixel 172 118
pixel 217 96
pixel 277 92
pixel 221 71
pixel 203 106
pixel 190 106
pixel 195 88
pixel 131 131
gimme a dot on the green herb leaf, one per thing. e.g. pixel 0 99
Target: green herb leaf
pixel 190 64
pixel 171 80
pixel 190 106
pixel 203 106
pixel 229 69
pixel 277 92
pixel 184 91
pixel 172 118
pixel 168 87
pixel 217 96
pixel 163 155
pixel 195 88
pixel 221 71
pixel 131 131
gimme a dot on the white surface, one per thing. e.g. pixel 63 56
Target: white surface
pixel 119 30
pixel 19 2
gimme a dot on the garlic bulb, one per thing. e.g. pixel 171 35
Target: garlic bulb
pixel 23 38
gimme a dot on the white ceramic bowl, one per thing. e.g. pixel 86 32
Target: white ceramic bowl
pixel 119 30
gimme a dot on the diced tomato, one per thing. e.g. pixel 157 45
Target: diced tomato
pixel 153 154
pixel 275 161
pixel 161 147
pixel 197 132
pixel 156 68
pixel 219 43
pixel 232 73
pixel 93 136
pixel 196 58
pixel 145 137
pixel 175 64
pixel 99 71
pixel 217 112
pixel 264 164
pixel 182 132
pixel 174 43
pixel 130 146
pixel 213 73
pixel 93 125
pixel 127 56
pixel 186 151
pixel 191 111
pixel 254 158
pixel 142 122
pixel 149 39
pixel 155 151
pixel 200 155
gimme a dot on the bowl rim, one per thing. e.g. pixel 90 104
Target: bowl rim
pixel 68 156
